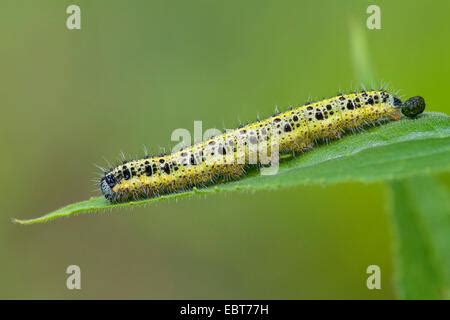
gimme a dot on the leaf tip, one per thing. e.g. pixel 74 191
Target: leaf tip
pixel 25 221
pixel 18 221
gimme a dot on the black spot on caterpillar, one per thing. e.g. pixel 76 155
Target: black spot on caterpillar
pixel 296 130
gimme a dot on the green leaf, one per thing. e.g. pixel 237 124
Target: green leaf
pixel 421 215
pixel 395 150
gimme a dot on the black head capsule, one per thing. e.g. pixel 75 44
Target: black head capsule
pixel 106 185
pixel 413 106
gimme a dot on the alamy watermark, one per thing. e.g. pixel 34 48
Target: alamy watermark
pixel 73 21
pixel 373 21
pixel 233 146
pixel 374 279
pixel 73 281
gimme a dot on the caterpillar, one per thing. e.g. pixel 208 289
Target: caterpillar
pixel 221 158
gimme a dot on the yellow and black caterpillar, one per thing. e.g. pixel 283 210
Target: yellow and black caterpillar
pixel 226 156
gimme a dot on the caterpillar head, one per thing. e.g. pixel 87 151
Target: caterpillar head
pixel 413 106
pixel 106 185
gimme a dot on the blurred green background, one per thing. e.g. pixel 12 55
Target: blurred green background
pixel 136 71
